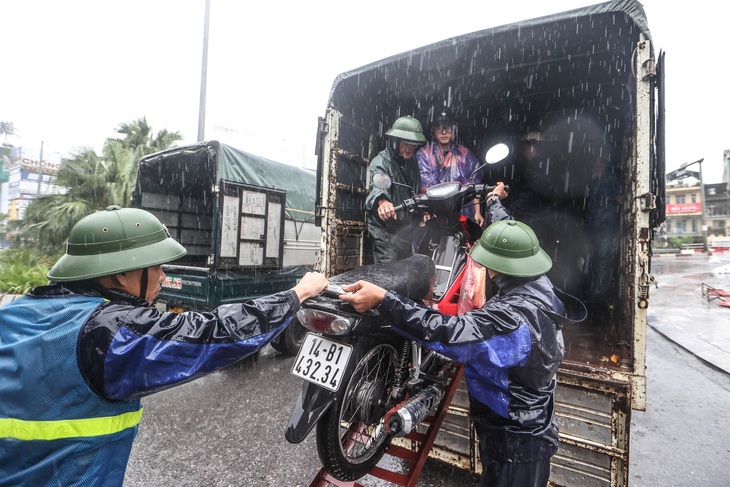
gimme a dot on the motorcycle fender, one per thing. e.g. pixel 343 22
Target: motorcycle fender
pixel 312 403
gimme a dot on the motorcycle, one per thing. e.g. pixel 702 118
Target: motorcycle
pixel 363 383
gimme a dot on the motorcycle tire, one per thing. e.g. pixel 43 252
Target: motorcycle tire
pixel 290 340
pixel 351 437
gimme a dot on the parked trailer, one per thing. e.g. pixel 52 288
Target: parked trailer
pixel 247 223
pixel 589 81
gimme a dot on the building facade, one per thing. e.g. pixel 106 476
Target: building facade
pixel 717 209
pixel 26 179
pixel 697 214
pixel 26 184
pixel 684 210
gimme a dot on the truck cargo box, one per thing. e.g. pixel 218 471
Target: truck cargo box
pixel 247 223
pixel 586 84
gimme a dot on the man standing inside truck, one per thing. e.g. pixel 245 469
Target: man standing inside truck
pixel 77 355
pixel 442 160
pixel 392 237
pixel 511 349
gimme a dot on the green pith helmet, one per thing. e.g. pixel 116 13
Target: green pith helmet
pixel 511 248
pixel 114 241
pixel 407 129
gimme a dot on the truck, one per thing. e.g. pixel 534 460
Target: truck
pixel 246 221
pixel 586 85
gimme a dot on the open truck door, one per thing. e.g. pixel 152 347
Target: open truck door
pixel 586 81
pixel 344 152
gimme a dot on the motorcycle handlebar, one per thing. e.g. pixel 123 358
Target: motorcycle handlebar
pixel 413 202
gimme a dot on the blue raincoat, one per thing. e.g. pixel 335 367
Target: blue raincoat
pixel 75 359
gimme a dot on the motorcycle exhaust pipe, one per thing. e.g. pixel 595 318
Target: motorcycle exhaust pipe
pixel 404 417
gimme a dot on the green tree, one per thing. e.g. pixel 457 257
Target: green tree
pixel 679 242
pixel 3 227
pixel 121 169
pixel 7 128
pixel 22 269
pixel 92 183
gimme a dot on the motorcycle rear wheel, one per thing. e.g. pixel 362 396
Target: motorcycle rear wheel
pixel 291 339
pixel 351 437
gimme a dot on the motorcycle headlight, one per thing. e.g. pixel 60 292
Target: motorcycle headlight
pixel 323 322
pixel 443 190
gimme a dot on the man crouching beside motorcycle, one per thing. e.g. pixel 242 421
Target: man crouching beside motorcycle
pixel 511 349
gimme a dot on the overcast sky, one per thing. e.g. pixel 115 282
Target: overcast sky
pixel 73 70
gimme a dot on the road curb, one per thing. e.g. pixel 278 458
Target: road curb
pixel 703 350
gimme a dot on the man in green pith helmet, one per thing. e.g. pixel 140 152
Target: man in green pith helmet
pixel 511 349
pixel 77 355
pixel 391 236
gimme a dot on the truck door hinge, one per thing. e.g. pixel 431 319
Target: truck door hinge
pixel 324 127
pixel 648 67
pixel 211 259
pixel 647 202
pixel 215 189
pixel 645 282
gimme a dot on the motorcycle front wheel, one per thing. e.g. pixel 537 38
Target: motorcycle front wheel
pixel 351 437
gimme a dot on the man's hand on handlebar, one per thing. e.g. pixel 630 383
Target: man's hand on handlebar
pixel 386 210
pixel 498 190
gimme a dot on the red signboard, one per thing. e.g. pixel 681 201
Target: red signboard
pixel 684 208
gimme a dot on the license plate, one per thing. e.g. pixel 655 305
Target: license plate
pixel 321 361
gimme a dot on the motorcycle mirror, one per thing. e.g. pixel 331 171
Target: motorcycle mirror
pixel 382 180
pixel 496 153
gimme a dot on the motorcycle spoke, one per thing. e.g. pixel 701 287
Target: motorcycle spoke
pixel 357 437
pixel 354 436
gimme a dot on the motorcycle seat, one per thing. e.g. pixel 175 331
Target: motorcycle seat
pixel 412 277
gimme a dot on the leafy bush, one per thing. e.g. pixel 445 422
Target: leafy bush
pixel 22 269
pixel 678 242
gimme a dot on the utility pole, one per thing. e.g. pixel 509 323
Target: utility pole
pixel 40 169
pixel 703 225
pixel 204 75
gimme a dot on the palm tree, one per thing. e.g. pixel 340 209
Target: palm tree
pixel 48 221
pixel 138 136
pixel 163 140
pixel 136 133
pixel 124 154
pixel 7 128
pixel 49 218
pixel 121 171
pixel 93 182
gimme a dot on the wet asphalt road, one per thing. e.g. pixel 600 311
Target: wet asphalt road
pixel 683 437
pixel 227 429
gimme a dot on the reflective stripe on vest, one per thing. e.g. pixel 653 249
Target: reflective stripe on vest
pixel 68 428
